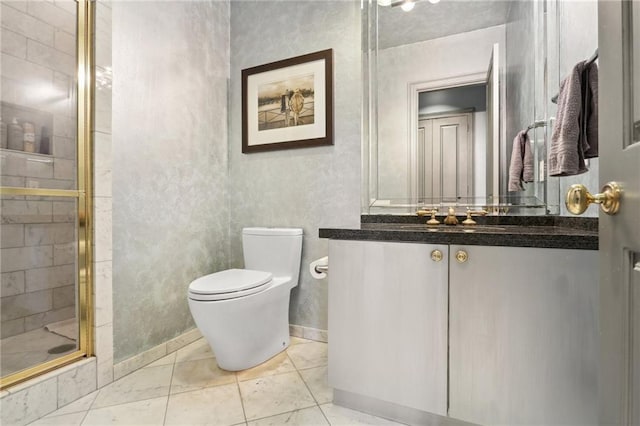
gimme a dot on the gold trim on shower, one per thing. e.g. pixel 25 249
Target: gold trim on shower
pixel 39 192
pixel 86 26
pixel 84 196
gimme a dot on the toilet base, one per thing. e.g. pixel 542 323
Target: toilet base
pixel 246 331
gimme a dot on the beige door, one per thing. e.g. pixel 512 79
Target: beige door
pixel 619 99
pixel 445 156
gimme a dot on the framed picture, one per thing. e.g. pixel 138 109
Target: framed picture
pixel 288 104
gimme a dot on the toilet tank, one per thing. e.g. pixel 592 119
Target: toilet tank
pixel 275 250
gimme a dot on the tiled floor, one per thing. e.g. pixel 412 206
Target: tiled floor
pixel 187 388
pixel 29 349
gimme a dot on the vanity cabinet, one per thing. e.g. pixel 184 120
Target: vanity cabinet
pixel 523 336
pixel 506 336
pixel 388 323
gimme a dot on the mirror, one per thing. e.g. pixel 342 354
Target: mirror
pixel 449 85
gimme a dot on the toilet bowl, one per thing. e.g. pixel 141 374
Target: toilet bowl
pixel 244 313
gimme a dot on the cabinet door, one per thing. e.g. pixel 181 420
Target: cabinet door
pixel 524 336
pixel 388 322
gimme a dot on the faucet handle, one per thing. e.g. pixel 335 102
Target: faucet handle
pixel 432 212
pixel 433 220
pixel 468 220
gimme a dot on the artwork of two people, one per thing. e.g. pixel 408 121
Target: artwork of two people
pixel 286 103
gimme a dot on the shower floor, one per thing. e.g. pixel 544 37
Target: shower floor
pixel 30 349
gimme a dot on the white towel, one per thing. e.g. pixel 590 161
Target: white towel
pixel 521 165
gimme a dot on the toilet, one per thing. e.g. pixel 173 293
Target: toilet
pixel 244 313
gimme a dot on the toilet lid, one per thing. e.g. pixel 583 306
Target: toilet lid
pixel 230 281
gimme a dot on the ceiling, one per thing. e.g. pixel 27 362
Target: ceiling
pixel 428 21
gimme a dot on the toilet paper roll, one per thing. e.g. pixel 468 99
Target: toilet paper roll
pixel 323 261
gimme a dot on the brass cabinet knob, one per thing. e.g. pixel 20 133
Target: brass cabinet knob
pixel 461 256
pixel 578 198
pixel 436 255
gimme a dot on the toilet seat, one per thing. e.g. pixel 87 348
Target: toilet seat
pixel 229 284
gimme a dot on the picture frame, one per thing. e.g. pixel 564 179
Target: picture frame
pixel 288 104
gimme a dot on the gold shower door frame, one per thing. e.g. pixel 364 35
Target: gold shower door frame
pixel 83 195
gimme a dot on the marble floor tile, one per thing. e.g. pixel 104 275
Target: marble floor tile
pixel 199 349
pixel 311 416
pixel 147 412
pixel 202 373
pixel 340 416
pixel 216 406
pixel 145 383
pixel 268 396
pixel 187 388
pixel 276 365
pixel 81 405
pixel 317 381
pixel 165 360
pixel 72 419
pixel 309 355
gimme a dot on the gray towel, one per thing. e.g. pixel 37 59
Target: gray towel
pixel 521 165
pixel 589 134
pixel 575 132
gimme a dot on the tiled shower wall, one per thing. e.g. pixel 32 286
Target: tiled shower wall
pixel 38 234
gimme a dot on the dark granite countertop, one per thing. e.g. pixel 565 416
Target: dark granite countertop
pixel 560 233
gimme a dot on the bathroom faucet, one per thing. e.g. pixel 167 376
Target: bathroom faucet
pixel 432 212
pixel 451 218
pixel 469 221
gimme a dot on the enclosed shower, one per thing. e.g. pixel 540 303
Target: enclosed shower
pixel 45 186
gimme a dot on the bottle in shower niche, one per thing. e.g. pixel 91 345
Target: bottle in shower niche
pixel 3 133
pixel 29 137
pixel 15 136
pixel 45 141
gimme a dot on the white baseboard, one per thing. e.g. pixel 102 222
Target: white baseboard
pixel 309 333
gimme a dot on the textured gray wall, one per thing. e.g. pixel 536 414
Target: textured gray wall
pixel 311 187
pixel 170 209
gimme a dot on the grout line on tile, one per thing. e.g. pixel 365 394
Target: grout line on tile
pixel 265 376
pixel 166 408
pixel 308 388
pixel 311 368
pixel 127 402
pixel 86 413
pixel 244 413
pixel 323 414
pixel 312 395
pixel 97 395
pixel 286 412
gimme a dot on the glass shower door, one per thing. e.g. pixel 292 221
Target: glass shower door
pixel 45 186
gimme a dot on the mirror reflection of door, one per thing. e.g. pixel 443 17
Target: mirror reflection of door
pixel 445 156
pixel 493 127
pixel 452 131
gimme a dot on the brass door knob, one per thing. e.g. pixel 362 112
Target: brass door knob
pixel 461 256
pixel 579 198
pixel 436 255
